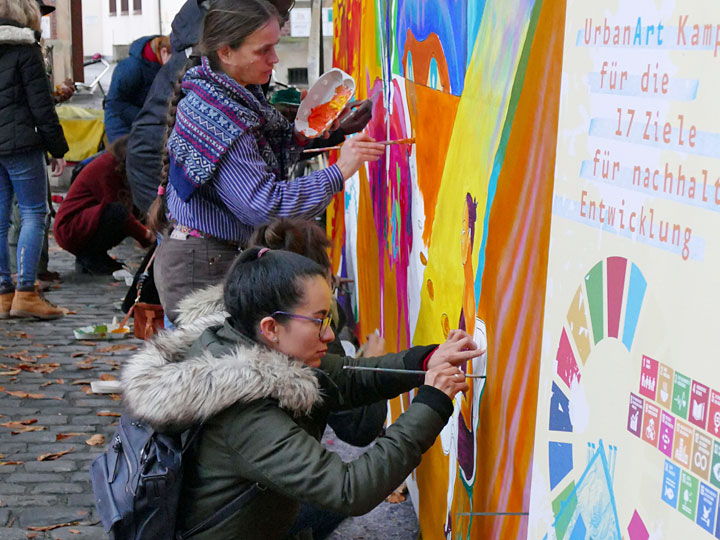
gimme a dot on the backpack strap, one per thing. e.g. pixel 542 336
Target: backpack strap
pixel 226 511
pixel 223 513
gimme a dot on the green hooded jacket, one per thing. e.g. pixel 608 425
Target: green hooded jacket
pixel 264 414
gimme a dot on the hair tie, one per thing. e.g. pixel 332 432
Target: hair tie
pixel 263 251
pixel 161 190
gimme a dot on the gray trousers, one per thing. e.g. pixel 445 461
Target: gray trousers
pixel 185 265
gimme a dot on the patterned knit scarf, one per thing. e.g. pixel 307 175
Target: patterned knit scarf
pixel 214 111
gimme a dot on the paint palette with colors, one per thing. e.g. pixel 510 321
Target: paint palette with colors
pixel 324 103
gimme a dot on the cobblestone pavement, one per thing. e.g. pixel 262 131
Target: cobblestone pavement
pixel 55 371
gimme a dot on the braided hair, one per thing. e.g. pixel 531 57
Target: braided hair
pixel 157 214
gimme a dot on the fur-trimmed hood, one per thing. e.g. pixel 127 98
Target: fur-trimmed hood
pixel 171 391
pixel 10 34
pixel 201 303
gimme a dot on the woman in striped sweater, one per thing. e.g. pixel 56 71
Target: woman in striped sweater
pixel 229 152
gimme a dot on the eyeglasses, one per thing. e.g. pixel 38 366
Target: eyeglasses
pixel 324 322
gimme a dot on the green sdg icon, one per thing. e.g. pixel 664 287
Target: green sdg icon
pixel 681 395
pixel 688 495
pixel 715 467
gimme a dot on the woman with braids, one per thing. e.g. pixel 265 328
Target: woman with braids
pixel 262 384
pixel 229 152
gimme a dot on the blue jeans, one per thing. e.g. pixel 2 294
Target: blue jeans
pixel 25 176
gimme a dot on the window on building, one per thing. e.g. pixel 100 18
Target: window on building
pixel 137 6
pixel 113 7
pixel 297 75
pixel 124 7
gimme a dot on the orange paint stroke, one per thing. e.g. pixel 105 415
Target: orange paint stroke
pixel 421 55
pixel 516 272
pixel 432 116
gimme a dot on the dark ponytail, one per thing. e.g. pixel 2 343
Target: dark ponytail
pixel 157 214
pixel 258 284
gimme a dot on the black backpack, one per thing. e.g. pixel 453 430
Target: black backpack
pixel 137 483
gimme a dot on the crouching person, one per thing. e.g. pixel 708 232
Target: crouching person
pixel 97 213
pixel 262 384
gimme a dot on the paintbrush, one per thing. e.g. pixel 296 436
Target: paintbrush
pixel 405 371
pixel 410 140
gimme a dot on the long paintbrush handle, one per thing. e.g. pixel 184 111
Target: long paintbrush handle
pixel 404 371
pixel 411 140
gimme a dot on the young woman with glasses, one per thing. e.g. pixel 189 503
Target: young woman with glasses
pixel 262 384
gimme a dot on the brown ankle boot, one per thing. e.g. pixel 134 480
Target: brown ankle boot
pixel 5 304
pixel 31 304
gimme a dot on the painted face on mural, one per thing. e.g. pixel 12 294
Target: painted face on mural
pixel 254 60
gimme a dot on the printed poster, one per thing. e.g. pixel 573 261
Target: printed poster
pixel 627 442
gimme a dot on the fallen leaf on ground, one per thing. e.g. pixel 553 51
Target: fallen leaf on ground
pixel 108 413
pixel 398 495
pixel 70 312
pixel 107 377
pixel 77 354
pixel 21 394
pixel 11 462
pixel 23 335
pixel 19 423
pixel 118 347
pixel 12 372
pixel 52 457
pixel 73 531
pixel 85 366
pixel 115 397
pixel 80 381
pixel 39 368
pixel 31 535
pixel 91 343
pixel 25 429
pixel 87 389
pixel 53 527
pixel 62 436
pixel 95 440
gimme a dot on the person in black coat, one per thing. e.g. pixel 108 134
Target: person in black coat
pixel 29 127
pixel 145 146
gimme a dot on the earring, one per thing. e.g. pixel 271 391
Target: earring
pixel 275 339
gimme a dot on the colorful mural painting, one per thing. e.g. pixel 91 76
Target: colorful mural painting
pixel 453 231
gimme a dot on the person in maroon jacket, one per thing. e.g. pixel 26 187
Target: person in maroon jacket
pixel 97 213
